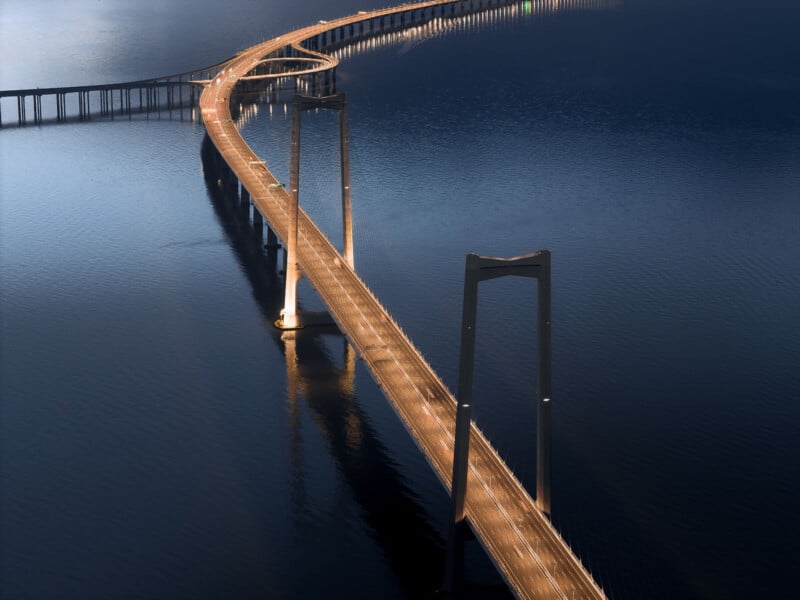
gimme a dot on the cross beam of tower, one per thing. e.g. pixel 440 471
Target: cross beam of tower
pixel 289 318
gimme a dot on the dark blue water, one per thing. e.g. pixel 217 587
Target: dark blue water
pixel 157 439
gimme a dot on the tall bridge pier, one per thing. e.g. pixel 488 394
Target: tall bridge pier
pixel 289 318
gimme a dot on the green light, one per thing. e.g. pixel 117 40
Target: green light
pixel 526 7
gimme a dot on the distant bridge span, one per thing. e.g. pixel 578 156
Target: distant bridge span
pixel 527 550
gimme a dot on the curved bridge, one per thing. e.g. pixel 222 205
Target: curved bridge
pixel 527 550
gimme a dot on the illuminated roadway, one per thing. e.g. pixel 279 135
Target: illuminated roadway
pixel 529 553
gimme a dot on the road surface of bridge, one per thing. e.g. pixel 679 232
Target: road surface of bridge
pixel 527 550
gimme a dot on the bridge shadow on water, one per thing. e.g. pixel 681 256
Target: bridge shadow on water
pixel 412 547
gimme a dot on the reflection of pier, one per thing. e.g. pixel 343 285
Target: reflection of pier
pixel 529 553
pixel 412 547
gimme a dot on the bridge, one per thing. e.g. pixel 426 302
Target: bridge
pixel 511 525
pixel 527 550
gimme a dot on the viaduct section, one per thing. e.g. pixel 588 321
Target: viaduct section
pixel 527 550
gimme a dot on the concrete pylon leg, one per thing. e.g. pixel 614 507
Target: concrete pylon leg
pixel 454 565
pixel 543 386
pixel 347 211
pixel 289 318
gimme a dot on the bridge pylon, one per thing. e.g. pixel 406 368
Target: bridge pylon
pixel 289 318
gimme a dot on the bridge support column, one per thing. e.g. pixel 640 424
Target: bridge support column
pixel 543 385
pixel 272 239
pixel 289 318
pixel 258 224
pixel 272 246
pixel 231 182
pixel 455 544
pixel 347 210
pixel 244 198
pixel 37 109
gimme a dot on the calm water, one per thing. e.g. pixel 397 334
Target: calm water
pixel 155 443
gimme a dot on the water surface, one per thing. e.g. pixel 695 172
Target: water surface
pixel 154 442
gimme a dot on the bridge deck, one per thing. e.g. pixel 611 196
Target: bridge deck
pixel 529 553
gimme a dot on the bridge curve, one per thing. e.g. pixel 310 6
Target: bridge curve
pixel 527 550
